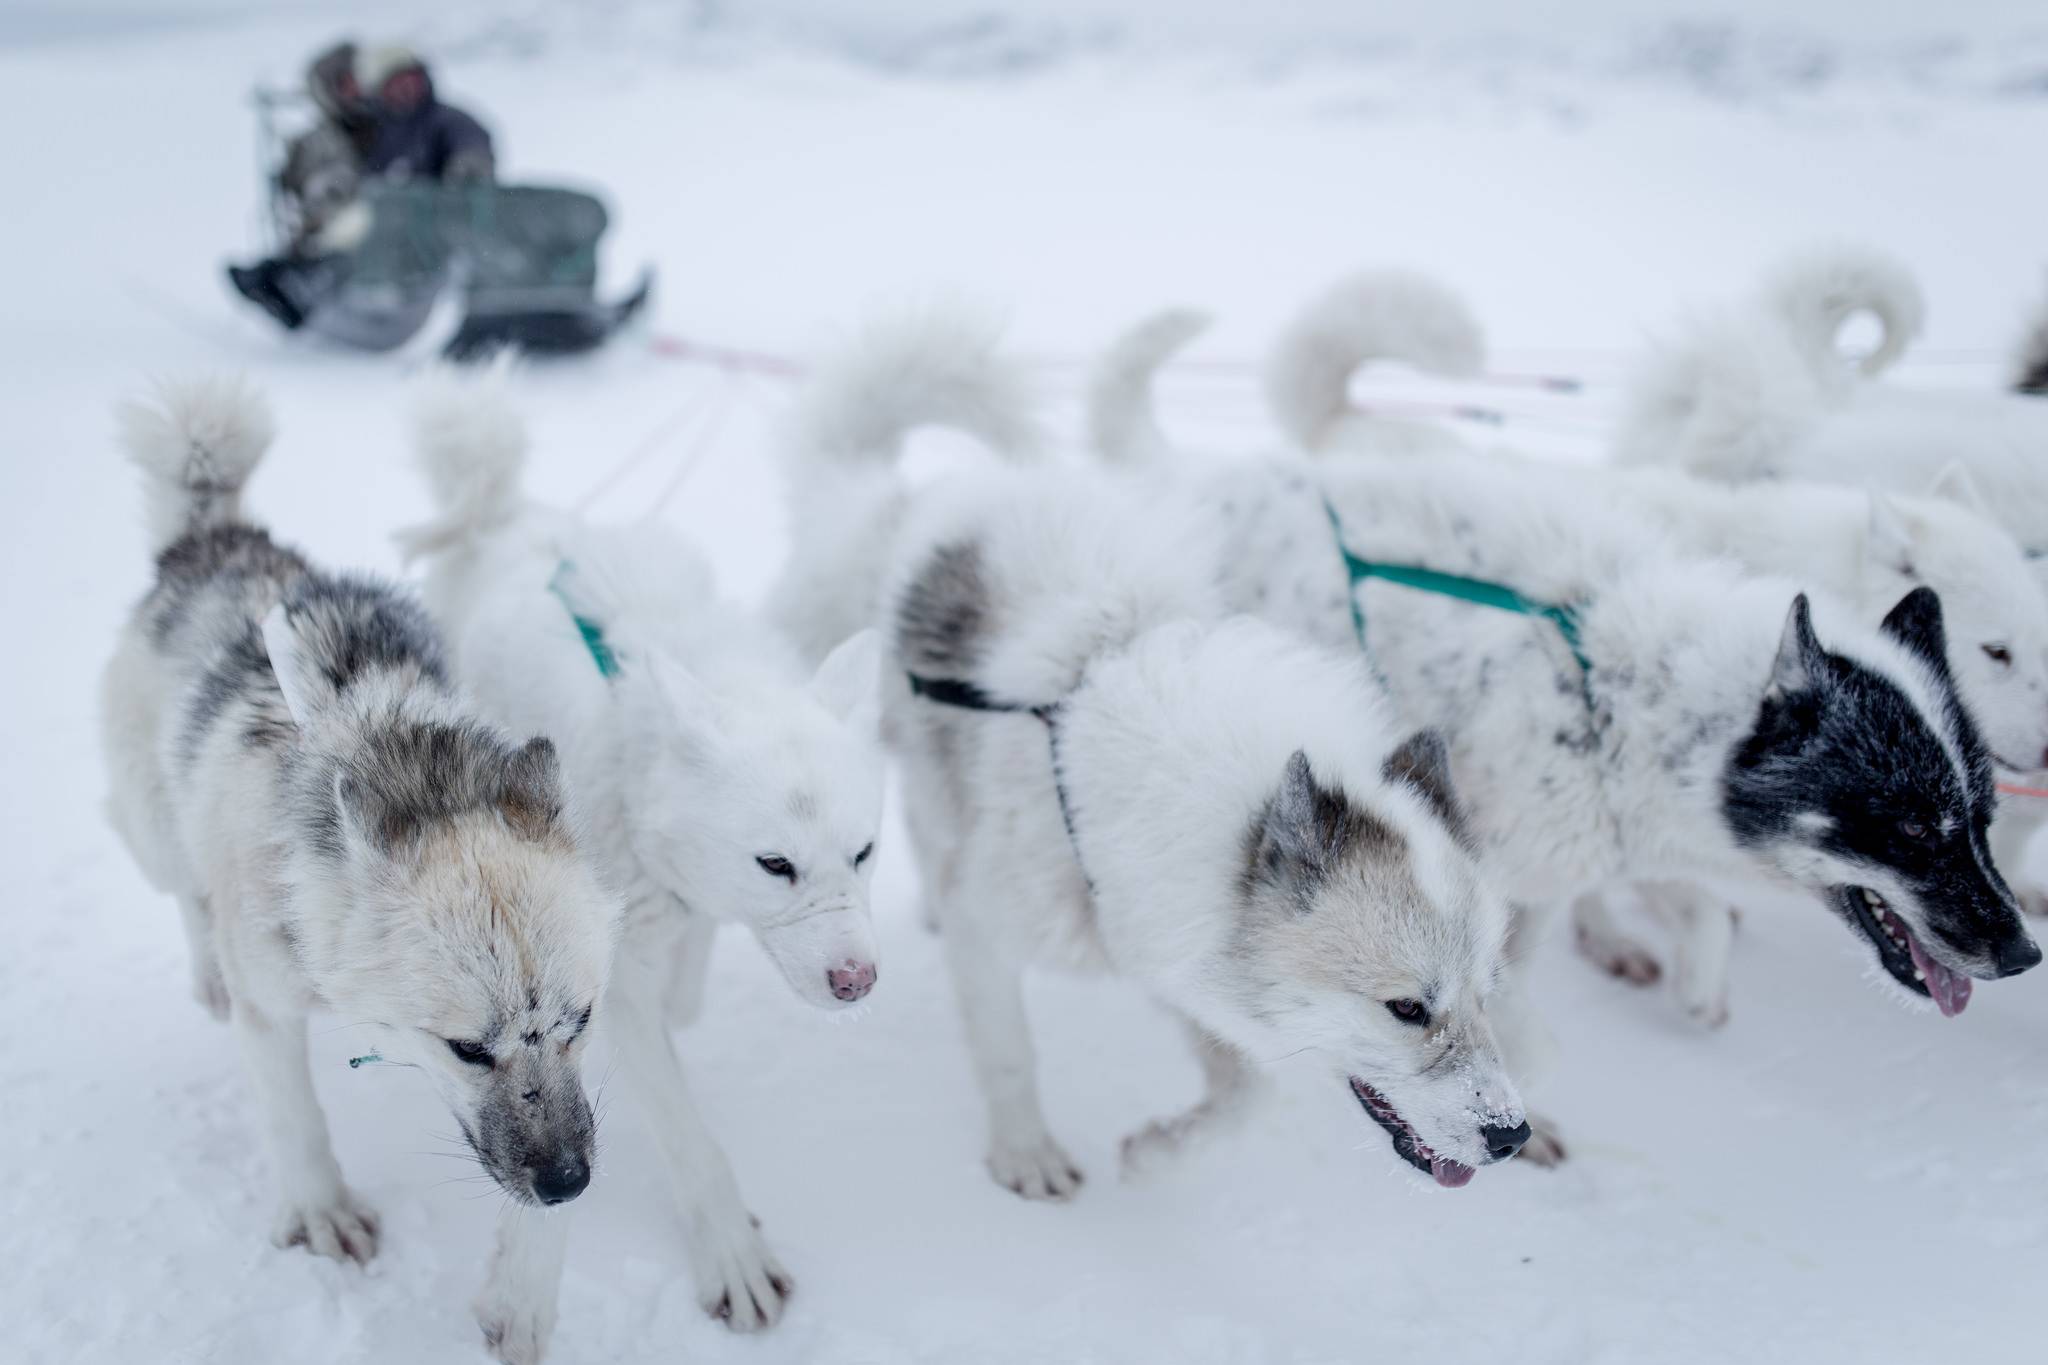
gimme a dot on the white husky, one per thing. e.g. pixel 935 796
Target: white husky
pixel 1102 774
pixel 1869 549
pixel 722 784
pixel 1760 392
pixel 288 760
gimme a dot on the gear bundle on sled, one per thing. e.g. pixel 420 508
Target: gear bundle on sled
pixel 369 272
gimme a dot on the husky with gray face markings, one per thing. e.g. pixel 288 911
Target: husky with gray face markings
pixel 1104 774
pixel 287 759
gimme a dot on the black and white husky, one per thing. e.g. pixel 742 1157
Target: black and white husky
pixel 288 760
pixel 1671 718
pixel 1102 773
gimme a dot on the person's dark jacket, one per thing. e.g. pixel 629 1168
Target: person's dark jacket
pixel 435 142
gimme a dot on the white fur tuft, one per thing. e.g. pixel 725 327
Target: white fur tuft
pixel 1123 423
pixel 1373 315
pixel 197 444
pixel 1819 290
pixel 471 444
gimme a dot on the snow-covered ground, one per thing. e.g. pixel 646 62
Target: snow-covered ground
pixel 1830 1178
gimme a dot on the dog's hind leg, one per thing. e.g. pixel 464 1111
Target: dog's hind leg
pixel 1022 1155
pixel 1229 1083
pixel 1605 944
pixel 738 1279
pixel 316 1210
pixel 516 1309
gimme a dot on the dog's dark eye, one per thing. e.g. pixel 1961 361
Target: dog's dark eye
pixel 1912 829
pixel 862 856
pixel 1998 654
pixel 476 1054
pixel 1409 1011
pixel 777 867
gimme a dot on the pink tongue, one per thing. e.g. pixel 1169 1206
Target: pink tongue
pixel 1454 1174
pixel 1951 992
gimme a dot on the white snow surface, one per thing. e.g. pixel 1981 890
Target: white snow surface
pixel 1830 1178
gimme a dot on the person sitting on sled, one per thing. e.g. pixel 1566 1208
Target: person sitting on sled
pixel 380 121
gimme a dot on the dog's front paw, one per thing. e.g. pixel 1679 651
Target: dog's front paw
pixel 1619 957
pixel 1035 1169
pixel 342 1228
pixel 516 1328
pixel 738 1279
pixel 1544 1148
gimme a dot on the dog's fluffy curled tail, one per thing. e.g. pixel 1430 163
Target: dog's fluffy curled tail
pixel 1818 291
pixel 846 497
pixel 470 442
pixel 196 445
pixel 1373 315
pixel 1123 421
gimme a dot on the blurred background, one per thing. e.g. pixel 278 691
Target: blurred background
pixel 1828 1178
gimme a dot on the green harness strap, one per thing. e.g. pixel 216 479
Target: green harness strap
pixel 1475 590
pixel 593 634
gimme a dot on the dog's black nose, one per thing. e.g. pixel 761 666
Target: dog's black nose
pixel 2016 955
pixel 1502 1143
pixel 560 1180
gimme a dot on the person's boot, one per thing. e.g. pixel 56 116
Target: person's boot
pixel 259 284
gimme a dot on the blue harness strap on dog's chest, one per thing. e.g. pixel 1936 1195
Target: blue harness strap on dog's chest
pixel 593 634
pixel 1475 590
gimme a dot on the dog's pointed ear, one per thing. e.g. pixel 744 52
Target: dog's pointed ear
pixel 1423 762
pixel 1916 623
pixel 372 822
pixel 849 682
pixel 294 672
pixel 531 798
pixel 1801 661
pixel 1302 832
pixel 1954 484
pixel 1889 540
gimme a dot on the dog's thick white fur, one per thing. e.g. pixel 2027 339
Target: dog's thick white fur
pixel 1867 548
pixel 1691 661
pixel 287 758
pixel 726 783
pixel 1749 394
pixel 1235 824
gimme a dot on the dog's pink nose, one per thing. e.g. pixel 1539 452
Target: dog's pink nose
pixel 851 980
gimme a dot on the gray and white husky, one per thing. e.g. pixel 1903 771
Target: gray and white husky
pixel 288 760
pixel 723 783
pixel 1102 773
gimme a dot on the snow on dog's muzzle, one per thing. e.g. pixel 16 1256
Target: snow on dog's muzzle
pixel 1501 1141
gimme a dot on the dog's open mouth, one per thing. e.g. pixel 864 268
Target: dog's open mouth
pixel 1900 953
pixel 1410 1148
